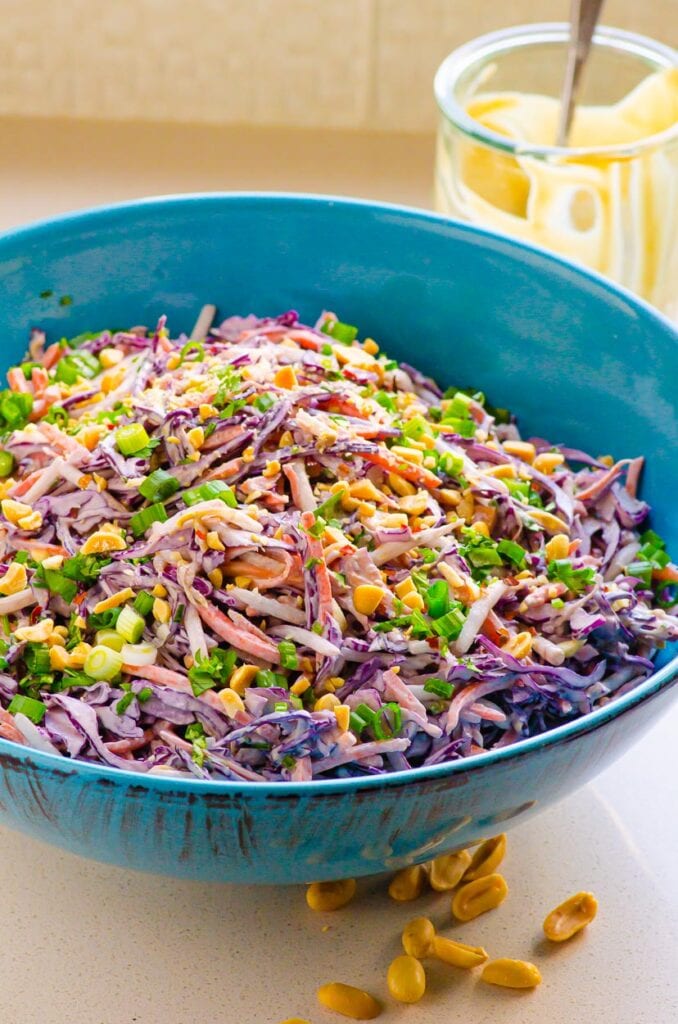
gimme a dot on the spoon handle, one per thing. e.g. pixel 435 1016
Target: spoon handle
pixel 584 16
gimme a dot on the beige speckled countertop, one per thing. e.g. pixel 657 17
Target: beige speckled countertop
pixel 83 943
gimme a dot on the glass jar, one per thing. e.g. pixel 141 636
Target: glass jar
pixel 613 207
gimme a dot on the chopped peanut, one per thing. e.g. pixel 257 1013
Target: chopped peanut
pixel 103 540
pixel 14 580
pixel 405 587
pixel 557 548
pixel 271 469
pixel 231 701
pixel 162 611
pixel 13 511
pixel 285 377
pixel 35 634
pixel 110 357
pixel 114 600
pixel 546 462
pixel 521 449
pixel 196 437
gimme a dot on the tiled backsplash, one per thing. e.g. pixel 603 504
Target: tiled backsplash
pixel 307 63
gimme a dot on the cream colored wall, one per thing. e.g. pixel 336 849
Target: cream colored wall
pixel 307 63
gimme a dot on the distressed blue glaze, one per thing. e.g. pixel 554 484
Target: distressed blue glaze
pixel 578 360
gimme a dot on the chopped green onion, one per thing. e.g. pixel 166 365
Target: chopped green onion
pixel 103 663
pixel 194 731
pixel 28 369
pixel 143 602
pixel 450 625
pixel 56 414
pixel 415 428
pixel 439 687
pixel 449 464
pixel 281 705
pixel 15 409
pixel 356 723
pixel 438 599
pixel 653 539
pixel 109 638
pixel 428 555
pixel 209 492
pixel 387 721
pixel 36 658
pixel 345 333
pixel 465 428
pixel 6 463
pixel 131 439
pixel 138 655
pixel 33 709
pixel 159 486
pixel 71 368
pixel 141 521
pixel 366 713
pixel 458 407
pixel 144 694
pixel 188 349
pixel 642 571
pixel 264 402
pixel 130 625
pixel 266 678
pixel 558 603
pixel 420 626
pixel 288 654
pixel 124 703
pixel 512 551
pixel 386 401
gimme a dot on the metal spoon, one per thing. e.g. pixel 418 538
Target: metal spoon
pixel 584 16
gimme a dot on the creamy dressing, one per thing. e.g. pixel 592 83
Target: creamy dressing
pixel 615 213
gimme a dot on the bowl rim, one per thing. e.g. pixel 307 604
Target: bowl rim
pixel 657 682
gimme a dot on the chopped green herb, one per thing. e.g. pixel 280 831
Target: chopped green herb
pixel 211 672
pixel 576 580
pixel 513 552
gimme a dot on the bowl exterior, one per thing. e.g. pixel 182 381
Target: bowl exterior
pixel 256 834
pixel 578 360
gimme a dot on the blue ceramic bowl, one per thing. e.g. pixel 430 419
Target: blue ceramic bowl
pixel 578 361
